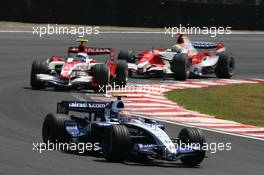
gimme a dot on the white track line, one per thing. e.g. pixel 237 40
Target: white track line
pixel 256 79
pixel 218 124
pixel 241 129
pixel 148 105
pixel 232 81
pixel 207 83
pixel 198 119
pixel 256 135
pixel 135 93
pixel 151 109
pixel 151 100
pixel 155 97
pixel 169 113
pixel 182 85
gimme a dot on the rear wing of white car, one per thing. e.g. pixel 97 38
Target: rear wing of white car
pixel 92 51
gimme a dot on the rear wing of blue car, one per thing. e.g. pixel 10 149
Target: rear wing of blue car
pixel 81 106
pixel 203 45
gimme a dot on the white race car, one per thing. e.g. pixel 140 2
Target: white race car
pixel 79 71
pixel 181 61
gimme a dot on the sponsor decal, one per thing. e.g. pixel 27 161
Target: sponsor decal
pixel 92 50
pixel 96 105
pixel 87 105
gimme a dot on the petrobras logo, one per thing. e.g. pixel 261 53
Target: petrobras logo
pixel 87 105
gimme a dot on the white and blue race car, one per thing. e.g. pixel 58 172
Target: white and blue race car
pixel 120 134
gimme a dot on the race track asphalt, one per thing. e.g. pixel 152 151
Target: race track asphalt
pixel 22 110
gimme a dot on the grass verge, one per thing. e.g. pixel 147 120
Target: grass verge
pixel 243 103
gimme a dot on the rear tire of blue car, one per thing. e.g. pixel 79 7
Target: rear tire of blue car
pixel 225 66
pixel 116 143
pixel 38 68
pixel 180 66
pixel 54 130
pixel 193 136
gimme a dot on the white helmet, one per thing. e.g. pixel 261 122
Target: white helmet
pixel 81 56
pixel 117 106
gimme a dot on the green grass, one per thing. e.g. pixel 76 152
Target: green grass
pixel 243 103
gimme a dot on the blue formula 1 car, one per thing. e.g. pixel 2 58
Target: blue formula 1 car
pixel 120 134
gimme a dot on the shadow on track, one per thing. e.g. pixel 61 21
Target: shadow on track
pixel 134 161
pixel 151 163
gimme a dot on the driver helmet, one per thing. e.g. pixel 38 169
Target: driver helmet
pixel 117 106
pixel 176 48
pixel 81 56
pixel 124 117
pixel 81 47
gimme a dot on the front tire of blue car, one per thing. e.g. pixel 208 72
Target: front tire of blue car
pixel 192 136
pixel 54 130
pixel 116 143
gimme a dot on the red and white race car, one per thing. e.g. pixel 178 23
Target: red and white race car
pixel 79 70
pixel 181 61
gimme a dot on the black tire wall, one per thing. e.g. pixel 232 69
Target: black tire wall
pixel 129 13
